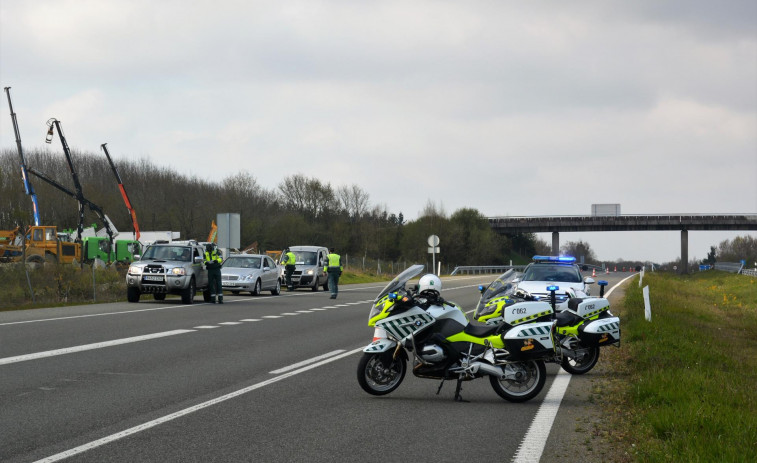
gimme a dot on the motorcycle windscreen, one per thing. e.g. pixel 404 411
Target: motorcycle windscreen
pixel 400 281
pixel 502 286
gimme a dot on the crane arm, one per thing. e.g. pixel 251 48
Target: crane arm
pixel 28 188
pixel 121 187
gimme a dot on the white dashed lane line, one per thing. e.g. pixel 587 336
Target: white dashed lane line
pixel 206 327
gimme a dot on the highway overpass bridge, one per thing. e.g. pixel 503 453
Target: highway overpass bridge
pixel 579 223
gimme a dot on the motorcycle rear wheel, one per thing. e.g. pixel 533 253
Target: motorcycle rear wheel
pixel 376 378
pixel 579 366
pixel 534 375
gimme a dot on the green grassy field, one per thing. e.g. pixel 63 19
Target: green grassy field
pixel 683 387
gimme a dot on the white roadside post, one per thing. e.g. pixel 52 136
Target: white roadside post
pixel 647 307
pixel 433 242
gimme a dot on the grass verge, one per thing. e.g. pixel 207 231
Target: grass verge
pixel 682 387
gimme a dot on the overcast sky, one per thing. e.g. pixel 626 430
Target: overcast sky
pixel 509 107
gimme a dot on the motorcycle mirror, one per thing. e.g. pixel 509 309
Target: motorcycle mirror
pixel 392 296
pixel 602 284
pixel 481 288
pixel 552 297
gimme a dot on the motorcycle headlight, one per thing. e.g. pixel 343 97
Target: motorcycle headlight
pixel 135 270
pixel 178 271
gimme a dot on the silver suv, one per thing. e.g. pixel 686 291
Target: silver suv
pixel 169 268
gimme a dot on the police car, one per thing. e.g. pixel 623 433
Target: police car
pixel 560 271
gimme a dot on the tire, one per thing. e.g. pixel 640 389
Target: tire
pixel 277 289
pixel 256 290
pixel 375 378
pixel 188 294
pixel 529 385
pixel 159 296
pixel 326 285
pixel 132 294
pixel 206 295
pixel 583 364
pixel 315 286
pixel 35 262
pixel 235 292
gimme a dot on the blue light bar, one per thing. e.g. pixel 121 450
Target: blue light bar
pixel 551 288
pixel 554 259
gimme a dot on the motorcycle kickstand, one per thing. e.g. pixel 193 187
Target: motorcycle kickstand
pixel 458 388
pixel 440 387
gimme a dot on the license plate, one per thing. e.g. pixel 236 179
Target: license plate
pixel 153 278
pixel 229 283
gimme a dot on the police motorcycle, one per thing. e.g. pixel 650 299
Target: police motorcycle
pixel 576 333
pixel 417 325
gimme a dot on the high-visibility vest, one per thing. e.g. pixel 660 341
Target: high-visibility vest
pixel 334 261
pixel 291 258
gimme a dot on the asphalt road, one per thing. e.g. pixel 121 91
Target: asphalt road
pixel 268 378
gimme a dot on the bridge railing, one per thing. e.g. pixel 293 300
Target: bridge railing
pixel 481 269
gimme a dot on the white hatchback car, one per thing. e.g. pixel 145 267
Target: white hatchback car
pixel 560 271
pixel 250 272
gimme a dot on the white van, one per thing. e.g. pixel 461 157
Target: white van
pixel 309 263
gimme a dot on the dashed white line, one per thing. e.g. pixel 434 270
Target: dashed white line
pixel 320 309
pixel 271 316
pixel 305 311
pixel 206 327
pixel 230 323
pixel 250 320
pixel 85 347
pixel 289 313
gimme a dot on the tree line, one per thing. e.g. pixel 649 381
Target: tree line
pixel 300 210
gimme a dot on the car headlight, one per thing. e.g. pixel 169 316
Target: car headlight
pixel 178 271
pixel 310 272
pixel 247 277
pixel 135 270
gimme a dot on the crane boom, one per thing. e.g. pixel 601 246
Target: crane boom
pixel 28 188
pixel 121 187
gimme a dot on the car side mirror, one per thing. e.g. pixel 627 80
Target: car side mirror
pixel 516 280
pixel 265 269
pixel 589 280
pixel 198 260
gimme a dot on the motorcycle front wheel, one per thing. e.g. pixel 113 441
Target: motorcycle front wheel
pixel 376 377
pixel 531 376
pixel 585 361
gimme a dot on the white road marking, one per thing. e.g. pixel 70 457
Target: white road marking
pixel 97 345
pixel 271 316
pixel 317 309
pixel 250 320
pixel 230 323
pixel 206 327
pixel 327 307
pixel 305 311
pixel 532 445
pixel 186 411
pixel 289 313
pixel 305 362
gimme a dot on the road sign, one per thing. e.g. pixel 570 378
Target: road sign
pixel 433 241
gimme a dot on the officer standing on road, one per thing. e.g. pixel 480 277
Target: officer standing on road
pixel 334 268
pixel 213 264
pixel 289 266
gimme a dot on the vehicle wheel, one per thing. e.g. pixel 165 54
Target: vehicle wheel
pixel 530 378
pixel 277 290
pixel 376 378
pixel 585 360
pixel 159 296
pixel 35 262
pixel 326 285
pixel 206 295
pixel 235 292
pixel 256 290
pixel 132 294
pixel 51 258
pixel 315 286
pixel 188 295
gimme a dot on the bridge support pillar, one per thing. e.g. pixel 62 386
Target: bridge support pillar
pixel 684 251
pixel 555 243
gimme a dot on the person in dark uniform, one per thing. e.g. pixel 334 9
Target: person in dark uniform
pixel 334 269
pixel 213 264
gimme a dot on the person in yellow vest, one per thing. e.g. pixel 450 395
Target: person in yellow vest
pixel 334 268
pixel 289 266
pixel 213 263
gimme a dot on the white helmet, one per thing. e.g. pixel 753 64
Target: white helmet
pixel 430 282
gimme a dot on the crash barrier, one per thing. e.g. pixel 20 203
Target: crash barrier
pixel 733 267
pixel 476 269
pixel 751 273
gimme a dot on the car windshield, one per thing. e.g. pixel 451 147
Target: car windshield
pixel 400 280
pixel 552 272
pixel 305 257
pixel 180 253
pixel 242 262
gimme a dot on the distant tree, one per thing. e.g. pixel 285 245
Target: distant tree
pixel 579 249
pixel 738 249
pixel 711 257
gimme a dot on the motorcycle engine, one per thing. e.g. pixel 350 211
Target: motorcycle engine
pixel 432 353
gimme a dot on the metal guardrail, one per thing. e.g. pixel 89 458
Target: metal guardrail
pixel 733 267
pixel 481 269
pixel 751 273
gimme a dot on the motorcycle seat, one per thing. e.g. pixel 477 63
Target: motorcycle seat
pixel 574 301
pixel 566 318
pixel 481 331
